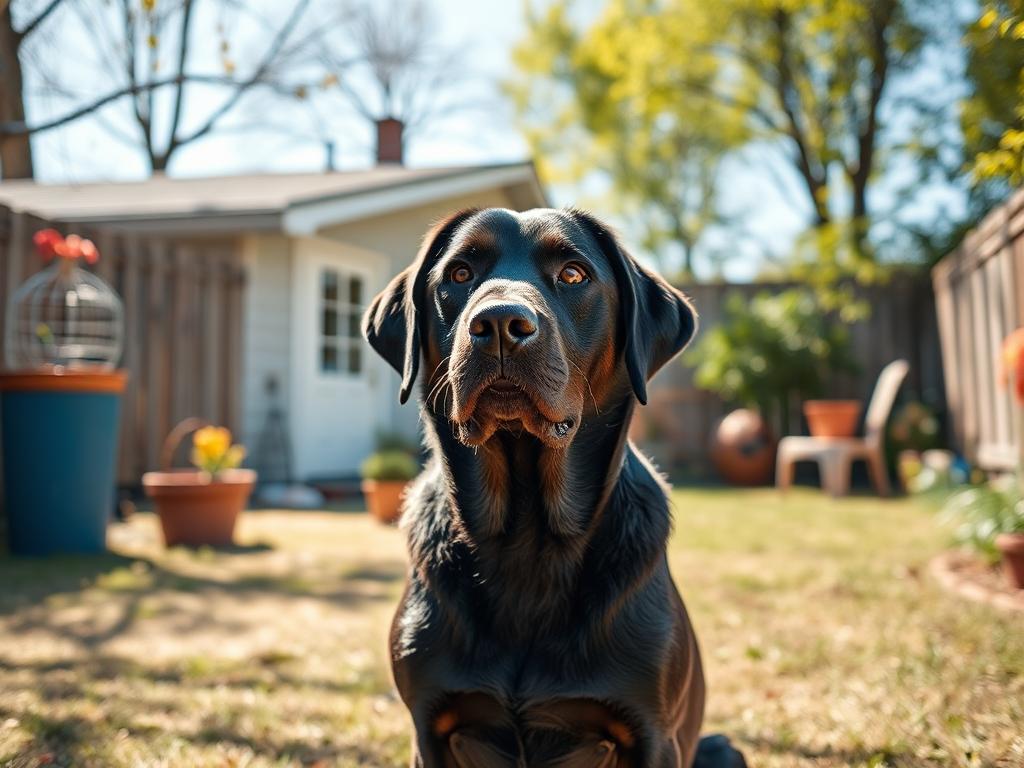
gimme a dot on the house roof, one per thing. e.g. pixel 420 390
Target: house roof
pixel 299 202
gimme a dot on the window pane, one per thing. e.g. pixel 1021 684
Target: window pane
pixel 330 322
pixel 354 321
pixel 328 358
pixel 355 291
pixel 355 359
pixel 330 285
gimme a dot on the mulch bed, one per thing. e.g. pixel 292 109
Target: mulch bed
pixel 974 579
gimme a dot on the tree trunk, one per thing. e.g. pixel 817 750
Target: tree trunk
pixel 16 150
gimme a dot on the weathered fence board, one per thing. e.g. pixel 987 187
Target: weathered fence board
pixel 979 293
pixel 183 326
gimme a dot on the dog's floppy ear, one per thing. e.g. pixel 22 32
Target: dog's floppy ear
pixel 658 321
pixel 391 323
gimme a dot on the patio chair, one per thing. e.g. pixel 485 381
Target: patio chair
pixel 835 455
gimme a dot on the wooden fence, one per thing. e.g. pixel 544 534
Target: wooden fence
pixel 677 425
pixel 979 294
pixel 183 334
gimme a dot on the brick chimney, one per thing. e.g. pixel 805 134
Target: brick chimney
pixel 389 141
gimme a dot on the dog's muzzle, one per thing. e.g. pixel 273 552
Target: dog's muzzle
pixel 509 369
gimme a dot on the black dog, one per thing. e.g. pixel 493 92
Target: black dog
pixel 539 625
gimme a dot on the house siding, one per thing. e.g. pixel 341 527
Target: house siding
pixel 267 324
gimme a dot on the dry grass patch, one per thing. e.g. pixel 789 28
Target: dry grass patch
pixel 825 643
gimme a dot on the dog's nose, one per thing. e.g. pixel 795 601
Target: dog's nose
pixel 502 328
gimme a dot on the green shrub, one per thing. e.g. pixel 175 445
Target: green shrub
pixel 915 427
pixel 984 511
pixel 772 349
pixel 390 465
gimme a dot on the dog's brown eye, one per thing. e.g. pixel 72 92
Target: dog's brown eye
pixel 572 274
pixel 462 274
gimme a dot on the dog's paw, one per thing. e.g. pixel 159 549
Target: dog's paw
pixel 715 751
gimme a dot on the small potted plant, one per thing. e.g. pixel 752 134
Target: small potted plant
pixel 1010 540
pixel 199 507
pixel 386 474
pixel 914 430
pixel 991 517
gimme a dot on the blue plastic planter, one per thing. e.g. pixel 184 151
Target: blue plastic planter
pixel 59 433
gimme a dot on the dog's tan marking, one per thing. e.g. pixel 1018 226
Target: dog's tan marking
pixel 621 733
pixel 446 722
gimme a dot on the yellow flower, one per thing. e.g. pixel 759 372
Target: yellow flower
pixel 234 456
pixel 212 450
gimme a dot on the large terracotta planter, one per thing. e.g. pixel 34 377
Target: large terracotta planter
pixel 1011 547
pixel 832 418
pixel 196 510
pixel 384 499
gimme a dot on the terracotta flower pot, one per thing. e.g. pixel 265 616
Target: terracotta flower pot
pixel 832 418
pixel 384 498
pixel 196 510
pixel 1011 547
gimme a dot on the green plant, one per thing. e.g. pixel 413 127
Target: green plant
pixel 771 349
pixel 390 465
pixel 984 511
pixel 394 441
pixel 914 428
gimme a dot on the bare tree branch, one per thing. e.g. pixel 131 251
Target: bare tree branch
pixel 20 127
pixel 39 19
pixel 186 24
pixel 258 74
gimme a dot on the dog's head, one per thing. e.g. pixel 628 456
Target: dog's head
pixel 526 321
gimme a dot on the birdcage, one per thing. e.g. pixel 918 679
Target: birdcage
pixel 64 316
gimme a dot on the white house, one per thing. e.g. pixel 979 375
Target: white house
pixel 316 247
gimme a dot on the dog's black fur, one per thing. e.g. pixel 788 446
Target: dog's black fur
pixel 539 624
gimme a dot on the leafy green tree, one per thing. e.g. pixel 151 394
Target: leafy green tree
pixel 609 98
pixel 993 114
pixel 809 78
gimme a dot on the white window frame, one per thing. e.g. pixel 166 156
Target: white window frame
pixel 344 340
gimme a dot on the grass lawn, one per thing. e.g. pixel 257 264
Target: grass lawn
pixel 825 643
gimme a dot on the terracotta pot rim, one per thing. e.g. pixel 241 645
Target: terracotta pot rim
pixel 1012 543
pixel 832 403
pixel 193 478
pixel 368 482
pixel 60 379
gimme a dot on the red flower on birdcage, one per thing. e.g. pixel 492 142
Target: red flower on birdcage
pixel 51 244
pixel 1012 364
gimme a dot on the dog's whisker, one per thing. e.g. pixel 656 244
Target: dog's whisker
pixel 587 382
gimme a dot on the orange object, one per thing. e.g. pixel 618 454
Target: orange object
pixel 832 418
pixel 56 379
pixel 197 510
pixel 1012 363
pixel 50 244
pixel 384 498
pixel 1011 547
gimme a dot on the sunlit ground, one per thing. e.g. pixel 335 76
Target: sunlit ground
pixel 825 643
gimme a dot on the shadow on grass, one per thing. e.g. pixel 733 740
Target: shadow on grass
pixel 35 589
pixel 51 678
pixel 855 756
